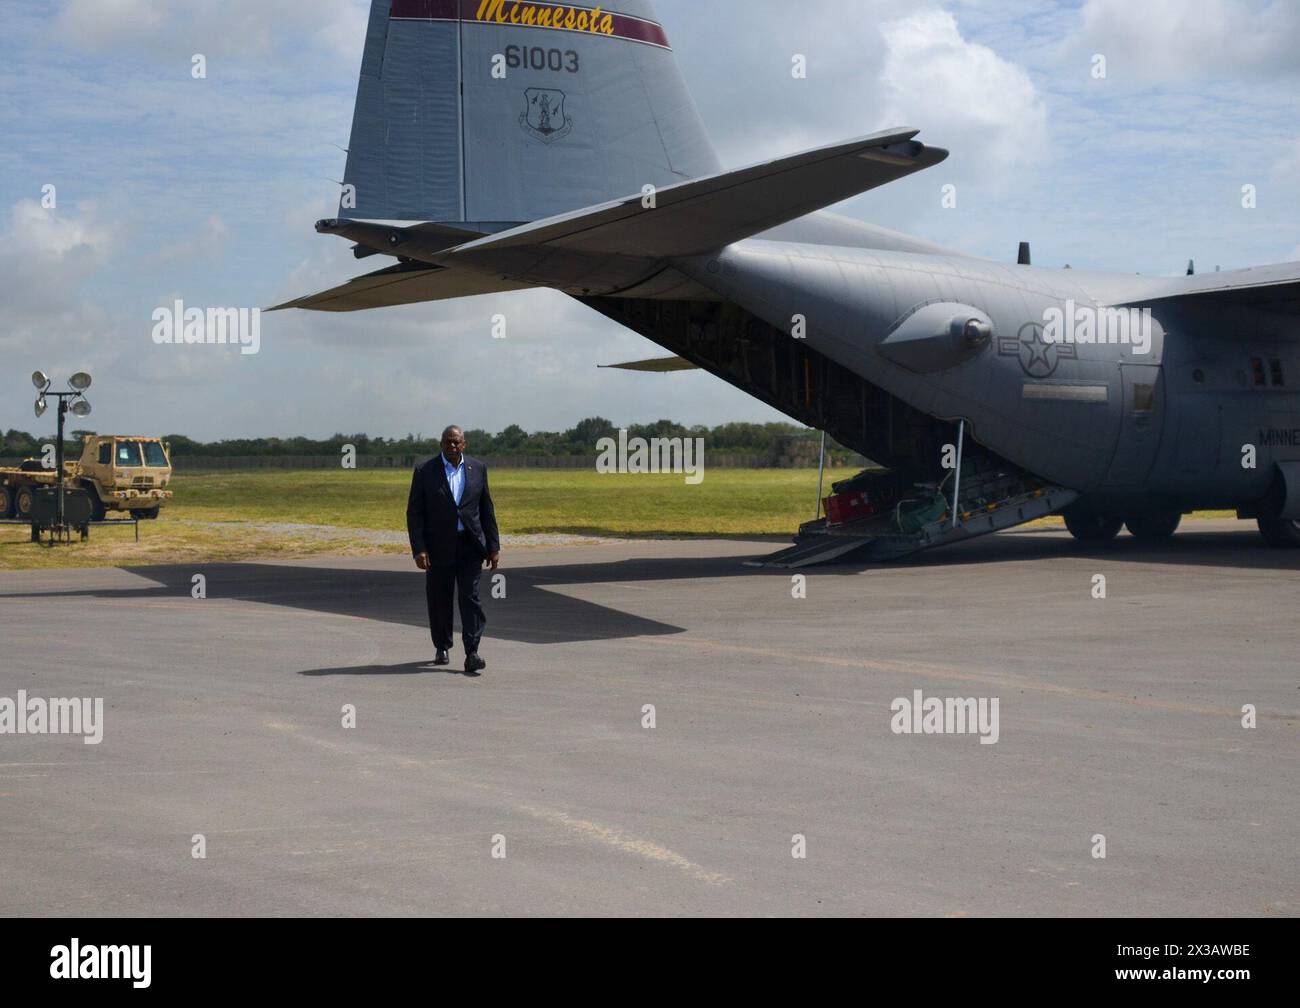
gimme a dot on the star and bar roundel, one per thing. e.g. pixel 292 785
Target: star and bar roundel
pixel 554 16
pixel 1038 357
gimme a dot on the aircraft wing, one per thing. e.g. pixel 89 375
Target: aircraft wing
pixel 655 364
pixel 399 285
pixel 1273 288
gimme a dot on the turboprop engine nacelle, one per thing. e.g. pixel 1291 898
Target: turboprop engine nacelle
pixel 937 336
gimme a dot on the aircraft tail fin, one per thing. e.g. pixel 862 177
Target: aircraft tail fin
pixel 483 113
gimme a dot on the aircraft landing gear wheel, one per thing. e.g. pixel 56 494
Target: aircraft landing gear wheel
pixel 6 502
pixel 1154 527
pixel 1280 533
pixel 1089 526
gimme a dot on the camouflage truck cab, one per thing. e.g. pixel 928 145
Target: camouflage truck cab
pixel 124 473
pixel 118 472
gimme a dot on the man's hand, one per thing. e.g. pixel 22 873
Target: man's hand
pixel 422 561
pixel 493 560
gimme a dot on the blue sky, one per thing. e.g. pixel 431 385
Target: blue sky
pixel 207 190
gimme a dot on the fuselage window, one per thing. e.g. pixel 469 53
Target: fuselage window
pixel 1144 398
pixel 1257 369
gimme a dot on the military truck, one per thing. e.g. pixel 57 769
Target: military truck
pixel 117 471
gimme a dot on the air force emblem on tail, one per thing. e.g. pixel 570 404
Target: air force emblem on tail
pixel 544 117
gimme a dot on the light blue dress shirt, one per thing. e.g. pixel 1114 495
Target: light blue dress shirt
pixel 455 480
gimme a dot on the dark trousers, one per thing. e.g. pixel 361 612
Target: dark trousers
pixel 462 578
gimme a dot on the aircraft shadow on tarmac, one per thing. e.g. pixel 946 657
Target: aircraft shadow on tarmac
pixel 1241 549
pixel 532 613
pixel 536 613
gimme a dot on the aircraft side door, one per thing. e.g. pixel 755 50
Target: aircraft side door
pixel 1142 420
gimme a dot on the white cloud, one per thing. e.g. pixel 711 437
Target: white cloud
pixel 98 23
pixel 344 30
pixel 45 255
pixel 52 237
pixel 207 242
pixel 52 322
pixel 966 96
pixel 241 31
pixel 1287 166
pixel 1174 40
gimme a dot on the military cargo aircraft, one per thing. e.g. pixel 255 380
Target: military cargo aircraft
pixel 500 145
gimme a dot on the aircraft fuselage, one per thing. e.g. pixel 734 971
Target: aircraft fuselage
pixel 1158 415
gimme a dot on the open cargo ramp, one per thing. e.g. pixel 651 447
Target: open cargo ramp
pixel 819 543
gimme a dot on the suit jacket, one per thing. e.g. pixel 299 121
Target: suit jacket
pixel 431 511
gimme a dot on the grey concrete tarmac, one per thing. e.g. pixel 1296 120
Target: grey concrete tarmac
pixel 1119 717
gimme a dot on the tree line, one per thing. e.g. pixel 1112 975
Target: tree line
pixel 579 440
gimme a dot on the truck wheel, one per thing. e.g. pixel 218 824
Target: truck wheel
pixel 97 510
pixel 6 502
pixel 24 502
pixel 149 512
pixel 1156 527
pixel 1087 525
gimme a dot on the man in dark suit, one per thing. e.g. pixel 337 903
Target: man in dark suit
pixel 453 532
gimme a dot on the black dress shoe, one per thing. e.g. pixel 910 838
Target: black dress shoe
pixel 473 663
pixel 442 658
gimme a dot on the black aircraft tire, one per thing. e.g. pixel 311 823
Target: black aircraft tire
pixel 1088 526
pixel 1280 533
pixel 1154 527
pixel 6 502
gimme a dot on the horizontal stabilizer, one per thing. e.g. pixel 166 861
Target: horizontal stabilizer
pixel 655 364
pixel 614 246
pixel 704 214
pixel 399 238
pixel 398 285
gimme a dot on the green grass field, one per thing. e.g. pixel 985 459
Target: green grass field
pixel 260 514
pixel 217 516
pixel 728 502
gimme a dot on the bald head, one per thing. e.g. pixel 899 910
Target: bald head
pixel 453 444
